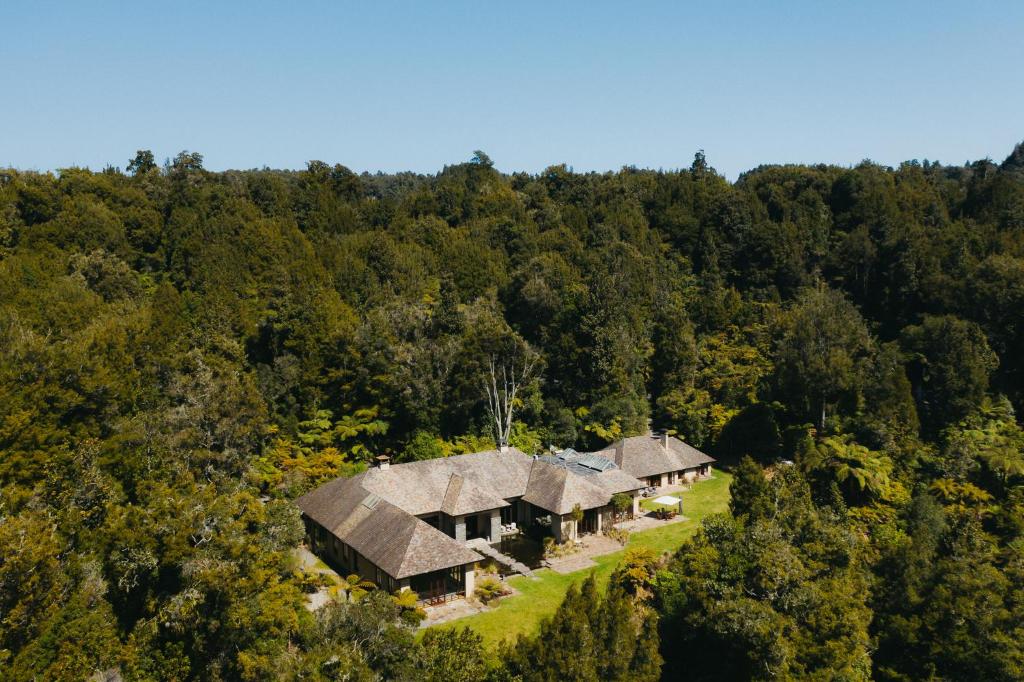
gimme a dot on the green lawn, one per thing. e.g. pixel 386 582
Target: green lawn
pixel 522 613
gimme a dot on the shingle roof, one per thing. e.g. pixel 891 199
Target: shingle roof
pixel 558 490
pixel 423 487
pixel 392 539
pixel 618 481
pixel 642 456
pixel 464 496
pixel 596 468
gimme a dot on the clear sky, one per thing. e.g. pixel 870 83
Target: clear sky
pixel 414 85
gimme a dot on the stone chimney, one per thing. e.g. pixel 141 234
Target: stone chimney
pixel 619 446
pixel 383 462
pixel 503 447
pixel 664 440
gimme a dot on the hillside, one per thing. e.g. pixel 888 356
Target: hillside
pixel 185 352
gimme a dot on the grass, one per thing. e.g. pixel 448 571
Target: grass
pixel 537 599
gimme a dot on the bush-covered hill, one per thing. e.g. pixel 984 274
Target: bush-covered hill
pixel 185 351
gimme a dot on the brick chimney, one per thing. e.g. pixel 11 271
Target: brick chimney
pixel 383 462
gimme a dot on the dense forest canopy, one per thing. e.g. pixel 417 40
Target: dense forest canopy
pixel 184 351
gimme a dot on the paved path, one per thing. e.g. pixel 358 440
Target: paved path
pixel 311 564
pixel 589 546
pixel 648 521
pixel 480 545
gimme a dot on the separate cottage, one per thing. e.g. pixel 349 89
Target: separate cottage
pixel 659 459
pixel 406 526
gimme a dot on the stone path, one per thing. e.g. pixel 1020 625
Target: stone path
pixel 648 521
pixel 311 564
pixel 480 545
pixel 460 608
pixel 590 547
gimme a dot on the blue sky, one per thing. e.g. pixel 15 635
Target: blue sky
pixel 392 86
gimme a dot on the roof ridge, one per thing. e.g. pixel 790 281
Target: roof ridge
pixel 564 482
pixel 452 492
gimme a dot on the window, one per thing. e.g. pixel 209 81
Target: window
pixel 455 574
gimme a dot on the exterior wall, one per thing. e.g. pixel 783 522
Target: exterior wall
pixel 365 568
pixel 636 504
pixel 495 525
pixel 563 528
pixel 460 528
pixel 347 560
pixel 664 479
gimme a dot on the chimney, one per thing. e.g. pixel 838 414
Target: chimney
pixel 383 462
pixel 618 451
pixel 664 440
pixel 503 447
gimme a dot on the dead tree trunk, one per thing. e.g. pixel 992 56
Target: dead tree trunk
pixel 505 379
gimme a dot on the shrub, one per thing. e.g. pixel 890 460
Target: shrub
pixel 622 504
pixel 553 550
pixel 489 589
pixel 620 535
pixel 409 609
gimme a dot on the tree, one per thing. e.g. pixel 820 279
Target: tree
pixel 749 491
pixel 352 587
pixel 636 574
pixel 482 159
pixel 752 432
pixel 623 504
pixel 452 655
pixel 823 343
pixel 565 646
pixel 950 366
pixel 768 598
pixel 143 163
pixel 187 161
pixel 647 661
pixel 990 437
pixel 507 374
pixel 423 446
pixel 861 473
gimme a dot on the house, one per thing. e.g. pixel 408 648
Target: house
pixel 406 526
pixel 659 459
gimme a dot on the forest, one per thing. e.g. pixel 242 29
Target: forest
pixel 183 352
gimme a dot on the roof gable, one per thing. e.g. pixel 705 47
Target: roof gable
pixel 557 490
pixel 464 496
pixel 425 487
pixel 642 456
pixel 392 539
